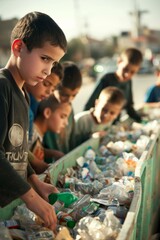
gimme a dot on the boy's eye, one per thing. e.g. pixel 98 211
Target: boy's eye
pixel 105 110
pixel 45 59
pixel 46 83
pixel 63 116
pixel 54 64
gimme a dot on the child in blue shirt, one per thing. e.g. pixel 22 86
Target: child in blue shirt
pixel 152 96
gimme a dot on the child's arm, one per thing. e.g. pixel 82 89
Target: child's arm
pixel 99 134
pixel 38 165
pixel 152 104
pixel 42 188
pixel 51 153
pixel 40 207
pixel 11 187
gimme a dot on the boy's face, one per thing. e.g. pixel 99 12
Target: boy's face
pixel 106 112
pixel 66 94
pixel 125 70
pixel 35 66
pixel 59 118
pixel 46 88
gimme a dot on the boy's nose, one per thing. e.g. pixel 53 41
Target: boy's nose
pixel 47 71
pixel 49 90
pixel 70 98
pixel 66 122
pixel 107 114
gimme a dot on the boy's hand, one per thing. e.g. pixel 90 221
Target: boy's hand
pixel 51 153
pixel 42 188
pixel 41 208
pixel 99 134
pixel 46 189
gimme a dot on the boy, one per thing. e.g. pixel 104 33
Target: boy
pixel 152 96
pixel 66 92
pixel 37 42
pixel 127 65
pixel 52 115
pixel 42 90
pixel 96 120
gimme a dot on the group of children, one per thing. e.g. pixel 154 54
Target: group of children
pixel 34 83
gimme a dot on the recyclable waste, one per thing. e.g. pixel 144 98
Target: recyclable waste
pixel 66 197
pixel 65 219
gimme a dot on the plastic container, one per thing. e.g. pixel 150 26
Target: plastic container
pixel 66 197
pixel 142 216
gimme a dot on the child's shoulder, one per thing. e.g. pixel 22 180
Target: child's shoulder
pixel 108 76
pixel 82 114
pixel 7 82
pixel 4 78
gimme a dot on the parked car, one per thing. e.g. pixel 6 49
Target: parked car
pixel 102 66
pixel 146 67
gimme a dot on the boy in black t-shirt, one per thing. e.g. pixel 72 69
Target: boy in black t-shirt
pixel 37 42
pixel 127 65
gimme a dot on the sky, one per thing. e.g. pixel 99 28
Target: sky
pixel 97 18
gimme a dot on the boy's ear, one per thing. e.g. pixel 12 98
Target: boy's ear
pixel 47 113
pixel 96 101
pixel 119 60
pixel 17 46
pixel 158 73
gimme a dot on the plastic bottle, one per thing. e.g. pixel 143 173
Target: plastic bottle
pixel 100 160
pixel 94 168
pixel 66 197
pixel 121 213
pixel 100 213
pixel 65 219
pixel 90 153
pixel 77 211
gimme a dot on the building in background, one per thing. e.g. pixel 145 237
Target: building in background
pixel 6 27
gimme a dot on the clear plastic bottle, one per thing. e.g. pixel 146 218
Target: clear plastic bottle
pixel 90 153
pixel 77 208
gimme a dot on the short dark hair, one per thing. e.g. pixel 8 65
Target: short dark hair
pixel 113 95
pixel 72 76
pixel 58 70
pixel 36 28
pixel 133 55
pixel 51 102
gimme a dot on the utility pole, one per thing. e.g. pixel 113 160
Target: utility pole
pixel 137 15
pixel 77 17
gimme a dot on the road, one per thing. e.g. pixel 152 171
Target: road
pixel 140 85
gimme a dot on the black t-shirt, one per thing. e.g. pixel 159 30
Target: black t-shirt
pixel 14 167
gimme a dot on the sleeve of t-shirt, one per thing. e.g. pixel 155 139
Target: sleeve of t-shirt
pixel 150 95
pixel 12 185
pixel 129 107
pixel 95 94
pixel 30 170
pixel 82 132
